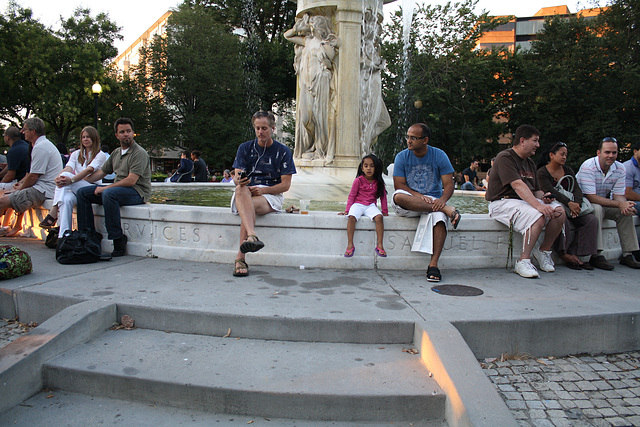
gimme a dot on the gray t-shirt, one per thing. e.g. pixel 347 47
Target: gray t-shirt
pixel 46 161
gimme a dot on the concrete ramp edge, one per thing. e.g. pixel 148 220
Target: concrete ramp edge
pixel 21 361
pixel 471 398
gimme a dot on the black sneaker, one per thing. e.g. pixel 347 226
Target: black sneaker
pixel 636 255
pixel 629 261
pixel 599 261
pixel 119 246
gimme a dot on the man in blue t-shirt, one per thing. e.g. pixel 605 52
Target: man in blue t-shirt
pixel 423 179
pixel 18 159
pixel 263 171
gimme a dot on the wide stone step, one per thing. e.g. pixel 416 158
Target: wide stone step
pixel 63 408
pixel 297 380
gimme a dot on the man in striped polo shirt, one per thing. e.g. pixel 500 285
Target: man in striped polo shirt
pixel 602 180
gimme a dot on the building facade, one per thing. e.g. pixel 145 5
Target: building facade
pixel 520 32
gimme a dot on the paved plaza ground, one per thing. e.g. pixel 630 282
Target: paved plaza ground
pixel 543 390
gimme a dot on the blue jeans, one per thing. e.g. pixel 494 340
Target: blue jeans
pixel 111 199
pixel 468 186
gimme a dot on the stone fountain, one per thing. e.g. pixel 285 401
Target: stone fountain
pixel 340 111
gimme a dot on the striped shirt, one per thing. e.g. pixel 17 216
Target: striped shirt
pixel 592 179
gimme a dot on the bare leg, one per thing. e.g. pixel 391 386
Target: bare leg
pixel 54 211
pixel 530 237
pixel 439 236
pixel 17 226
pixel 248 207
pixel 418 204
pixel 379 230
pixel 6 219
pixel 246 210
pixel 351 229
pixel 413 203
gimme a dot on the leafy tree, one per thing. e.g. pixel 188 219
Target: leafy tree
pixel 195 73
pixel 24 68
pixel 86 43
pixel 580 81
pixel 50 73
pixel 462 90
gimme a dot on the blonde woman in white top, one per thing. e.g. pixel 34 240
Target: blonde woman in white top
pixel 82 164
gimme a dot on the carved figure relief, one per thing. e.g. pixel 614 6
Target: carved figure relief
pixel 315 64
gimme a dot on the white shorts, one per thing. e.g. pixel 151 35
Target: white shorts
pixel 275 201
pixel 400 211
pixel 358 209
pixel 518 212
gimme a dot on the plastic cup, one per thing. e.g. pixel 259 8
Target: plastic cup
pixel 304 206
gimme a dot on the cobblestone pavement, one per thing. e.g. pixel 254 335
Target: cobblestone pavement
pixel 570 391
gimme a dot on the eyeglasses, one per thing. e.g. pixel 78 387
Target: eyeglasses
pixel 413 138
pixel 610 139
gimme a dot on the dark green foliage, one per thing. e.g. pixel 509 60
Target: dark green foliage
pixel 580 81
pixel 461 89
pixel 49 74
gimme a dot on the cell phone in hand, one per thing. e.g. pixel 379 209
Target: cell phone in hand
pixel 243 174
pixel 549 196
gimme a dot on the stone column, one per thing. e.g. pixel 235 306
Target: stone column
pixel 346 16
pixel 348 28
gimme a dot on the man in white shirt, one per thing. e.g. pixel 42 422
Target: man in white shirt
pixel 39 184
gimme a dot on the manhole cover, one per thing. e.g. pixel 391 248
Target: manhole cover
pixel 457 290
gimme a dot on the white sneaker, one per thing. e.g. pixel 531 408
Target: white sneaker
pixel 544 260
pixel 525 269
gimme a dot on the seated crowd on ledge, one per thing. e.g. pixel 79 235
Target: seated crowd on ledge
pixel 526 197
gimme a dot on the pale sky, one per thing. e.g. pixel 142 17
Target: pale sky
pixel 135 16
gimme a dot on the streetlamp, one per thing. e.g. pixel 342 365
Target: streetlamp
pixel 418 104
pixel 97 90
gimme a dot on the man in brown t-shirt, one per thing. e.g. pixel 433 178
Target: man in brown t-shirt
pixel 516 199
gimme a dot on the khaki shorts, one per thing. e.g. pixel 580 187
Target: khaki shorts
pixel 518 212
pixel 26 199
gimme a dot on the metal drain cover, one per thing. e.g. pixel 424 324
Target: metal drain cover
pixel 457 290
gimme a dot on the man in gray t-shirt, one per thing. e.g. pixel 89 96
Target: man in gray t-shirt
pixel 39 184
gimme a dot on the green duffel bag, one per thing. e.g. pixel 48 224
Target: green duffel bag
pixel 14 262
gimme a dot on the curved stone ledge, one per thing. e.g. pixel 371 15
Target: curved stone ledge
pixel 317 240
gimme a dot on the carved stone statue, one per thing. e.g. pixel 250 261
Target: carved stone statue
pixel 339 106
pixel 374 117
pixel 316 47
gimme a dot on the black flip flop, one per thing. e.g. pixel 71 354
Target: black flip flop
pixel 455 219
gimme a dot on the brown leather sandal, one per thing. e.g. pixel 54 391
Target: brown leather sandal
pixel 241 264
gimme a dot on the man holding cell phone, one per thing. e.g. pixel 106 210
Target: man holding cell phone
pixel 516 200
pixel 263 171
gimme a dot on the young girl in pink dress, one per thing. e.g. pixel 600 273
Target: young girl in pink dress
pixel 367 188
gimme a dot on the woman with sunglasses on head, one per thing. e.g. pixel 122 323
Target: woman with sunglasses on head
pixel 581 240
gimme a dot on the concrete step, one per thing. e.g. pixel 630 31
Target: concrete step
pixel 54 408
pixel 282 379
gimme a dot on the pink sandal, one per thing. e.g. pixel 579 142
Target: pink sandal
pixel 349 253
pixel 381 252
